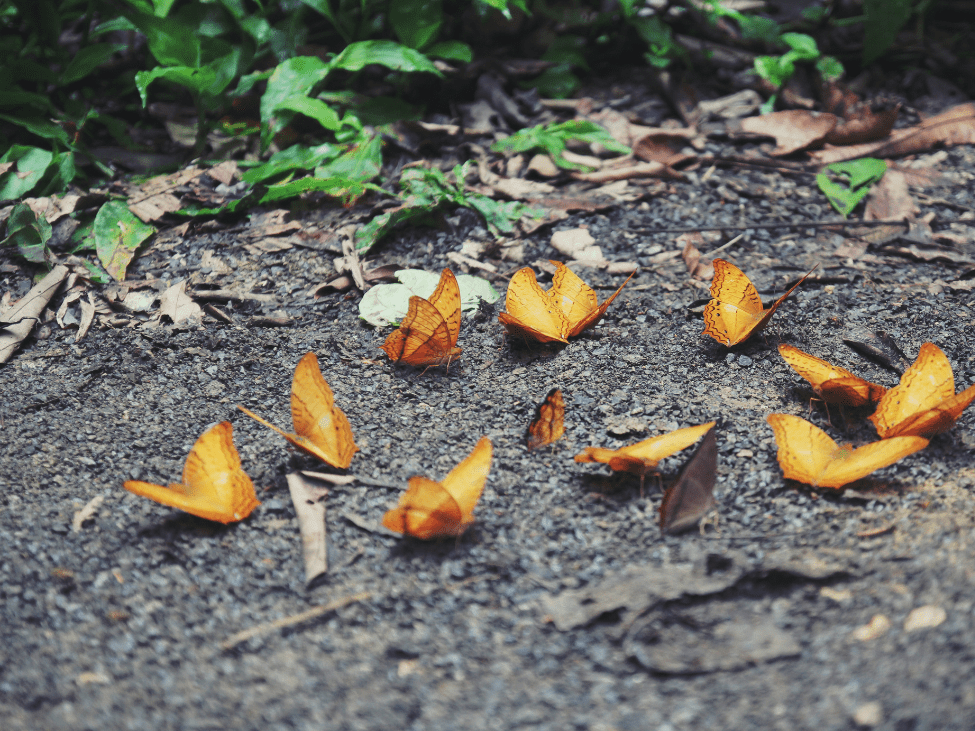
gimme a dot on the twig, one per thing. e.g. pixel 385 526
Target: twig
pixel 785 224
pixel 314 612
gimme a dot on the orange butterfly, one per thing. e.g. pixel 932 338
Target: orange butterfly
pixel 322 430
pixel 833 384
pixel 735 311
pixel 807 454
pixel 427 336
pixel 641 458
pixel 431 509
pixel 691 497
pixel 564 311
pixel 549 422
pixel 214 485
pixel 925 402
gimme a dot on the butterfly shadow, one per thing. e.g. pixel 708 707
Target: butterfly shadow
pixel 437 549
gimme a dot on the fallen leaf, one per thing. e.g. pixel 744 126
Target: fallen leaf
pixel 22 316
pixel 178 306
pixel 793 130
pixel 310 511
pixel 86 513
pixel 890 199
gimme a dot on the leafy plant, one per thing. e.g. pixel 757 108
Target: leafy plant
pixel 29 233
pixel 426 191
pixel 552 139
pixel 856 178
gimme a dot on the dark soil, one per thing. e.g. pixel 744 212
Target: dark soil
pixel 120 625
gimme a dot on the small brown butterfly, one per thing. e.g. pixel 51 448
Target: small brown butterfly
pixel 549 422
pixel 691 497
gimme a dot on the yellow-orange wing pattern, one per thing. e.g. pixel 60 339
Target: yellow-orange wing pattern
pixel 578 300
pixel 531 312
pixel 735 311
pixel 321 428
pixel 549 422
pixel 428 334
pixel 833 384
pixel 430 509
pixel 214 486
pixel 691 496
pixel 925 402
pixel 642 458
pixel 806 453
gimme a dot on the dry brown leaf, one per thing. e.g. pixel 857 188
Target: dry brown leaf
pixel 178 306
pixel 24 314
pixel 953 127
pixel 792 130
pixel 88 310
pixel 890 199
pixel 310 510
pixel 866 126
pixel 663 148
pixel 640 170
pixel 697 266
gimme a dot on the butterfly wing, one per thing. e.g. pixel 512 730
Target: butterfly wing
pixel 595 454
pixel 735 307
pixel 691 497
pixel 847 465
pixel 214 485
pixel 832 383
pixel 804 450
pixel 807 454
pixel 549 422
pixel 575 298
pixel 446 298
pixel 426 510
pixel 651 451
pixel 531 312
pixel 764 319
pixel 317 420
pixel 937 420
pixel 423 338
pixel 595 314
pixel 465 483
pixel 925 385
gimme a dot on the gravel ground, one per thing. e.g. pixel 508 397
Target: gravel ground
pixel 120 625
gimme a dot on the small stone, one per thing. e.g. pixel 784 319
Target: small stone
pixel 840 596
pixel 877 626
pixel 924 617
pixel 730 358
pixel 744 361
pixel 869 715
pixel 634 358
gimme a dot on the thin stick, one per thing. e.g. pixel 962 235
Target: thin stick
pixel 263 629
pixel 786 224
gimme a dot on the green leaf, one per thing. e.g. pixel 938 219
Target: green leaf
pixel 885 18
pixel 451 51
pixel 774 69
pixel 377 111
pixel 88 59
pixel 363 162
pixel 830 68
pixel 342 188
pixel 28 233
pixel 31 164
pixel 557 82
pixel 390 54
pixel 292 78
pixel 296 157
pixel 314 108
pixel 803 45
pixel 552 139
pixel 196 79
pixel 860 175
pixel 416 22
pixel 118 234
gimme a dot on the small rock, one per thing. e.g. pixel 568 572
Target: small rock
pixel 730 358
pixel 924 617
pixel 744 361
pixel 840 596
pixel 878 625
pixel 869 715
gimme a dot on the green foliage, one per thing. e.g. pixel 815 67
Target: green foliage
pixel 856 178
pixel 118 234
pixel 28 233
pixel 426 192
pixel 552 139
pixel 884 20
